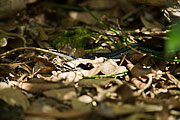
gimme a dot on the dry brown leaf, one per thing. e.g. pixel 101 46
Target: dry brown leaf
pixel 36 87
pixel 39 67
pixel 138 70
pixel 50 109
pixel 174 80
pixel 139 84
pixel 143 58
pixel 99 82
pixel 93 71
pixel 136 57
pixel 32 117
pixel 17 98
pixel 4 85
pixel 80 106
pixel 108 67
pixel 120 69
pixel 125 92
pixel 67 77
pixel 6 69
pixel 55 114
pixel 43 35
pixel 126 109
pixel 70 77
pixel 105 110
pixel 43 65
pixel 73 77
pixel 101 64
pixel 45 61
pixel 61 94
pixel 105 93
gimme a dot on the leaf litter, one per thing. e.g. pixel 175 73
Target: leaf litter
pixel 39 84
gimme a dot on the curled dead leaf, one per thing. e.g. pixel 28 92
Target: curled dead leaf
pixel 138 70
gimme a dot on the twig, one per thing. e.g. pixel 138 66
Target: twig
pixel 147 85
pixel 122 60
pixel 37 49
pixel 17 63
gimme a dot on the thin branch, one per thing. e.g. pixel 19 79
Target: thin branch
pixel 37 49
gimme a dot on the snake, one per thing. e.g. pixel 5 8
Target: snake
pixel 117 53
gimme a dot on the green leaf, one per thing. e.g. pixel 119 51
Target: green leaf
pixel 173 44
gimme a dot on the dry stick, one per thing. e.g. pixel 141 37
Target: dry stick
pixel 17 63
pixel 122 60
pixel 37 49
pixel 147 85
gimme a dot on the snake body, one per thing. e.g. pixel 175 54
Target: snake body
pixel 117 53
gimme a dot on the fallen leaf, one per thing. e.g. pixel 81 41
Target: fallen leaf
pixel 138 70
pixel 139 84
pixel 106 110
pixel 43 35
pixel 85 99
pixel 126 109
pixel 99 82
pixel 56 114
pixel 80 106
pixel 6 69
pixel 43 65
pixel 125 92
pixel 174 80
pixel 61 94
pixel 67 77
pixel 36 87
pixel 108 67
pixel 4 85
pixel 17 98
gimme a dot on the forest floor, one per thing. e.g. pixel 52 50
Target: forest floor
pixel 44 74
